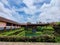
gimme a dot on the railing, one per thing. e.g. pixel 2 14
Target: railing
pixel 9 27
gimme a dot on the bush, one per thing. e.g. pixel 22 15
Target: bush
pixel 57 39
pixel 47 38
pixel 12 39
pixel 44 38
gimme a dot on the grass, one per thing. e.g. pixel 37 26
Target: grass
pixel 21 34
pixel 10 33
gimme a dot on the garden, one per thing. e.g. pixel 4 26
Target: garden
pixel 42 34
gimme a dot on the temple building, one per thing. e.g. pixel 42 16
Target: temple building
pixel 8 24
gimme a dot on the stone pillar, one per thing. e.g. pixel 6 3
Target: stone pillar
pixel 34 29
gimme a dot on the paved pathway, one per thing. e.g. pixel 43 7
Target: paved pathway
pixel 27 43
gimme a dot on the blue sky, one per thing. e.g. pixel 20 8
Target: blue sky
pixel 33 11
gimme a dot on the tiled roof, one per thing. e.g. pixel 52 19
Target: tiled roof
pixel 8 20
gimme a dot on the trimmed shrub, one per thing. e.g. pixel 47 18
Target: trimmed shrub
pixel 47 38
pixel 43 38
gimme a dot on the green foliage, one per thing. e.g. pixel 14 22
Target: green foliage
pixel 39 28
pixel 27 39
pixel 47 38
pixel 57 39
pixel 12 32
pixel 48 28
pixel 21 35
pixel 58 23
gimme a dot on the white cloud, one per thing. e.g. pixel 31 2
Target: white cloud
pixel 5 2
pixel 8 13
pixel 4 10
pixel 32 9
pixel 50 12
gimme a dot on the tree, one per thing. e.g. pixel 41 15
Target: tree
pixel 28 22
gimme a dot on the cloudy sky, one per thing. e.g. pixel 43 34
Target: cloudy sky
pixel 30 10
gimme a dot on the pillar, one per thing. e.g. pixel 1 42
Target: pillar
pixel 34 29
pixel 11 27
pixel 5 28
